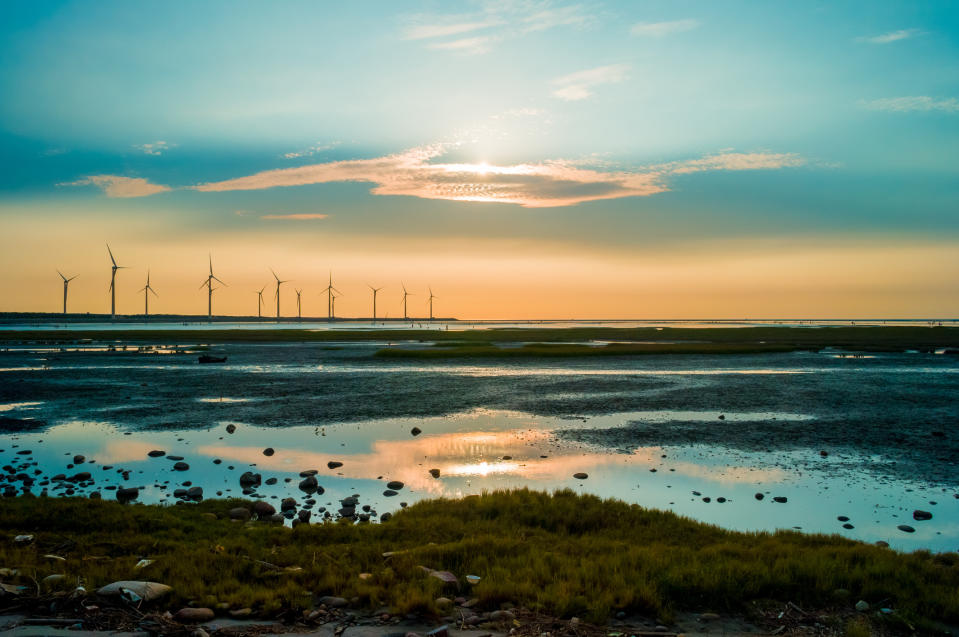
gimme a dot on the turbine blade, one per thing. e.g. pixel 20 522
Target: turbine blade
pixel 203 285
pixel 216 279
pixel 154 293
pixel 111 255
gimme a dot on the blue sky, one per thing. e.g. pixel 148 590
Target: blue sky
pixel 606 138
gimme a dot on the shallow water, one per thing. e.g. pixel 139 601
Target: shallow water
pixel 887 422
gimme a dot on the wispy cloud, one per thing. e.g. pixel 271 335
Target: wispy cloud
pixel 660 29
pixel 303 216
pixel 500 19
pixel 118 186
pixel 532 185
pixel 312 150
pixel 577 86
pixel 154 148
pixel 478 44
pixel 917 103
pixel 892 36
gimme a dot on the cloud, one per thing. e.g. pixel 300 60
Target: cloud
pixel 531 185
pixel 464 45
pixel 154 148
pixel 312 150
pixel 509 18
pixel 660 29
pixel 120 187
pixel 917 103
pixel 576 86
pixel 892 36
pixel 294 217
pixel 429 31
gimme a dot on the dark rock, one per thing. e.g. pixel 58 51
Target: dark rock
pixel 239 513
pixel 390 493
pixel 333 464
pixel 308 473
pixel 333 602
pixel 174 457
pixel 268 451
pixel 396 485
pixel 249 479
pixel 270 481
pixel 921 515
pixel 308 484
pixel 83 476
pixel 127 494
pixel 905 528
pixel 263 509
pixel 386 517
pixel 303 516
pixel 156 453
pixel 287 504
pixel 230 428
pixel 848 526
pixel 435 473
pixel 416 431
pixel 181 466
pixel 195 493
pixel 843 518
pixel 781 499
pixel 78 459
pixel 759 496
pixel 194 615
pixel 581 475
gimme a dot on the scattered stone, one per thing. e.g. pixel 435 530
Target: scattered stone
pixel 78 459
pixel 270 481
pixel 334 602
pixel 823 453
pixel 287 504
pixel 309 485
pixel 263 509
pixel 501 616
pixel 268 451
pixel 195 493
pixel 905 528
pixel 396 485
pixel 156 453
pixel 848 526
pixel 862 606
pixel 759 496
pixel 181 466
pixel 230 428
pixel 240 613
pixel 435 473
pixel 843 518
pixel 333 464
pixel 444 576
pixel 386 517
pixel 921 515
pixel 781 499
pixel 308 473
pixel 127 494
pixel 416 431
pixel 194 615
pixel 390 493
pixel 148 591
pixel 580 475
pixel 249 479
pixel 174 457
pixel 239 513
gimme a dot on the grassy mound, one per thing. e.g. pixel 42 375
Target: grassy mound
pixel 563 554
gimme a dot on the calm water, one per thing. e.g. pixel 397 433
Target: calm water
pixel 646 430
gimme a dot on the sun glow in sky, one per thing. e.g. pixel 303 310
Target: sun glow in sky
pixel 522 158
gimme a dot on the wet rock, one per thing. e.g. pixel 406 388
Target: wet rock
pixel 862 606
pixel 239 513
pixel 156 453
pixel 194 615
pixel 759 496
pixel 240 613
pixel 823 453
pixel 303 516
pixel 78 459
pixel 333 602
pixel 905 528
pixel 581 475
pixel 148 591
pixel 921 515
pixel 307 473
pixel 270 481
pixel 848 526
pixel 843 518
pixel 721 500
pixel 287 504
pixel 501 616
pixel 268 451
pixel 181 466
pixel 263 509
pixel 386 517
pixel 309 484
pixel 174 458
pixel 195 493
pixel 128 494
pixel 781 499
pixel 416 431
pixel 396 485
pixel 83 476
pixel 435 473
pixel 333 464
pixel 707 499
pixel 390 493
pixel 249 479
pixel 230 428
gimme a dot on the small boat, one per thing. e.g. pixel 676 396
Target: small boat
pixel 207 358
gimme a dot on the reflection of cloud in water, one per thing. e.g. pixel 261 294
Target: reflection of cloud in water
pixel 117 451
pixel 477 455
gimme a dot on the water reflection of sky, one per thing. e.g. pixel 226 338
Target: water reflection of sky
pixel 484 450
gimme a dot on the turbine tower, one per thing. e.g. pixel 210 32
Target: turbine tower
pixel 329 298
pixel 147 290
pixel 333 307
pixel 278 283
pixel 375 290
pixel 259 301
pixel 405 294
pixel 299 315
pixel 209 292
pixel 66 285
pixel 113 283
pixel 431 302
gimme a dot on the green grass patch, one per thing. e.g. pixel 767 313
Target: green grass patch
pixel 563 554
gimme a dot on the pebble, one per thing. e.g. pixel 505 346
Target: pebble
pixel 905 528
pixel 181 466
pixel 435 473
pixel 580 475
pixel 921 515
pixel 395 485
pixel 268 451
pixel 156 453
pixel 333 464
pixel 194 615
pixel 416 431
pixel 781 499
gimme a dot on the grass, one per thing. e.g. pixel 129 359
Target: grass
pixel 577 350
pixel 563 554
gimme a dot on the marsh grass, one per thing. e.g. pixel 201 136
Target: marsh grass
pixel 563 554
pixel 577 350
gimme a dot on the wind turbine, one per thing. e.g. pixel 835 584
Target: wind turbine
pixel 431 302
pixel 278 283
pixel 66 284
pixel 259 301
pixel 147 290
pixel 299 315
pixel 405 294
pixel 329 299
pixel 209 294
pixel 375 290
pixel 113 282
pixel 333 307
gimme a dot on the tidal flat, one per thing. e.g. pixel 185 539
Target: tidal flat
pixel 824 439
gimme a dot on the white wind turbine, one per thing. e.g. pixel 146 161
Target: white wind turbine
pixel 431 302
pixel 329 298
pixel 299 314
pixel 113 283
pixel 278 284
pixel 147 290
pixel 66 285
pixel 375 290
pixel 259 301
pixel 208 283
pixel 405 294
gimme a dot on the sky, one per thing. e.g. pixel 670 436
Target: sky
pixel 522 159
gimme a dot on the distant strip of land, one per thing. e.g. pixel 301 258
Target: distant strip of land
pixel 542 342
